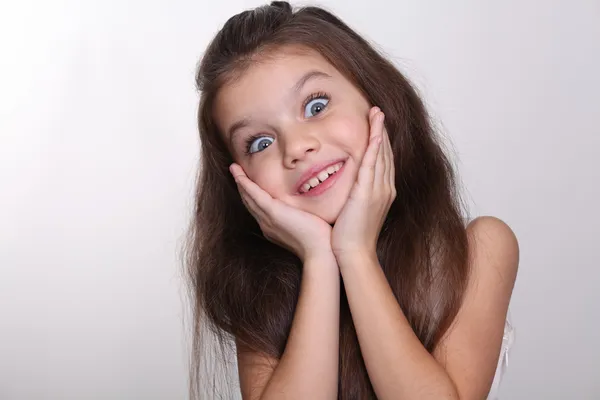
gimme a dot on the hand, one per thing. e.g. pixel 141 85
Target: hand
pixel 357 228
pixel 302 233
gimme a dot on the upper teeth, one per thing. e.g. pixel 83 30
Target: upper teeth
pixel 320 177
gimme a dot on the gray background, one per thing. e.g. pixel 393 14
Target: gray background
pixel 98 151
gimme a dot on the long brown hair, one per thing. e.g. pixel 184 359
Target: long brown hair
pixel 244 286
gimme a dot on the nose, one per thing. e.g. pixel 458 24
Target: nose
pixel 298 144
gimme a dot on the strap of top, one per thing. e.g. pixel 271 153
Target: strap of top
pixel 507 343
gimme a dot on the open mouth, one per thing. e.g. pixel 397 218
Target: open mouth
pixel 322 181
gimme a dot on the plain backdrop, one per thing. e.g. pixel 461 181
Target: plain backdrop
pixel 99 149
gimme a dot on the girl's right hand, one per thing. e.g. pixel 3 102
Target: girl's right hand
pixel 303 233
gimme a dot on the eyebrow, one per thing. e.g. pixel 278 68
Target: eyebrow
pixel 244 122
pixel 308 76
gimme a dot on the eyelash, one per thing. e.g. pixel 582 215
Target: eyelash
pixel 311 97
pixel 249 142
pixel 316 95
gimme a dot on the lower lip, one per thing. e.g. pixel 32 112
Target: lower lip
pixel 324 185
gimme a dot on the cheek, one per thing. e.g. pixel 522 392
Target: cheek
pixel 354 135
pixel 267 178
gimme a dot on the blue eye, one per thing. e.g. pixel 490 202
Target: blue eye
pixel 255 144
pixel 315 106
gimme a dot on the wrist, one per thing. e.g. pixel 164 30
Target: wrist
pixel 318 255
pixel 356 257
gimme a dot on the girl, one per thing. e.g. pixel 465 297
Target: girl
pixel 329 239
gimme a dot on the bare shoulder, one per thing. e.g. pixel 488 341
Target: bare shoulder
pixel 470 349
pixel 255 370
pixel 494 248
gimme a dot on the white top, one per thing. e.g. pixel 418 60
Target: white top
pixel 507 342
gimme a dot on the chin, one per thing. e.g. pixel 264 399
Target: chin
pixel 329 213
pixel 327 210
pixel 330 218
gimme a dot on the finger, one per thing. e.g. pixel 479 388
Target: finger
pixel 389 180
pixel 366 172
pixel 390 156
pixel 236 170
pixel 249 202
pixel 373 115
pixel 372 112
pixel 381 164
pixel 255 192
pixel 387 156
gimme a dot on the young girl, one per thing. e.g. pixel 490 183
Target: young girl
pixel 329 239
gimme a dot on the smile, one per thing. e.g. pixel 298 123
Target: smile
pixel 322 181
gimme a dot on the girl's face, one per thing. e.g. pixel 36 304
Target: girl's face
pixel 298 128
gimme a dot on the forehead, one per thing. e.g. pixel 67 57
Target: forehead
pixel 268 82
pixel 279 67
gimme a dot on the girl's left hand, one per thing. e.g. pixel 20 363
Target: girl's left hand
pixel 357 228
